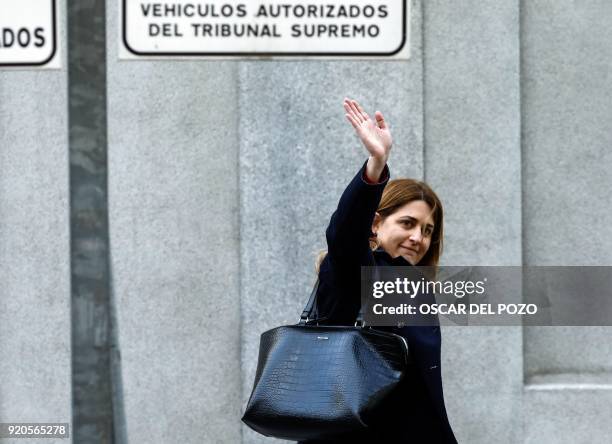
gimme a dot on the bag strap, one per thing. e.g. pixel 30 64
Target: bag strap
pixel 305 316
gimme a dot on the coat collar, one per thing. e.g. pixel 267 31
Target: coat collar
pixel 381 254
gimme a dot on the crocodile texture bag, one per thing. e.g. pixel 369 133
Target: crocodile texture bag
pixel 320 382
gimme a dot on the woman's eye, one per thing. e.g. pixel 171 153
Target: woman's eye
pixel 408 223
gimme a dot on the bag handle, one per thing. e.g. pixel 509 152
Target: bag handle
pixel 305 316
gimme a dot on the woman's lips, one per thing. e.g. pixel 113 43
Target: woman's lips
pixel 412 250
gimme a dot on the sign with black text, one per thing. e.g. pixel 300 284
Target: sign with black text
pixel 29 34
pixel 265 28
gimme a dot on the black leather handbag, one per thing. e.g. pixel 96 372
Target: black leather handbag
pixel 322 382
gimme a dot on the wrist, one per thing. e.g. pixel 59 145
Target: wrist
pixel 374 169
pixel 378 162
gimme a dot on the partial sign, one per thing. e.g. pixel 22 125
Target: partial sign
pixel 265 28
pixel 29 33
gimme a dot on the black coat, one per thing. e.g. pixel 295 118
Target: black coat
pixel 416 412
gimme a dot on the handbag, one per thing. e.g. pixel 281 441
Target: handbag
pixel 323 381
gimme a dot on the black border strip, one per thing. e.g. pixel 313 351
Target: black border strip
pixel 258 54
pixel 97 400
pixel 53 51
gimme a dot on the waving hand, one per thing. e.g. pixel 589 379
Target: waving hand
pixel 375 135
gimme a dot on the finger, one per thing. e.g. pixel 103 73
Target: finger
pixel 356 112
pixel 380 120
pixel 352 111
pixel 347 102
pixel 352 120
pixel 361 111
pixel 356 108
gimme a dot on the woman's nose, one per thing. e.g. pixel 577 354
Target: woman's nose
pixel 416 235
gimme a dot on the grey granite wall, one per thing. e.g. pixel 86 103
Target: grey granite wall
pixel 173 205
pixel 567 59
pixel 473 161
pixel 34 245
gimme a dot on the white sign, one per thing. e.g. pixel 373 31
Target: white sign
pixel 28 33
pixel 265 28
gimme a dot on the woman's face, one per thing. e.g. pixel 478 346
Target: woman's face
pixel 406 232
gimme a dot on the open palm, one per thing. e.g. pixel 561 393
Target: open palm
pixel 375 135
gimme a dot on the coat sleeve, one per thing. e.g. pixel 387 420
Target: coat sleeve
pixel 350 226
pixel 348 233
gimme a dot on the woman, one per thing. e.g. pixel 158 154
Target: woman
pixel 384 223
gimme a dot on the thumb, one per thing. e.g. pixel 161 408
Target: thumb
pixel 380 120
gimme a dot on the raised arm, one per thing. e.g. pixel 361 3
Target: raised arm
pixel 348 233
pixel 350 226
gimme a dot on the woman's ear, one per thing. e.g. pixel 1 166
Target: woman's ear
pixel 376 222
